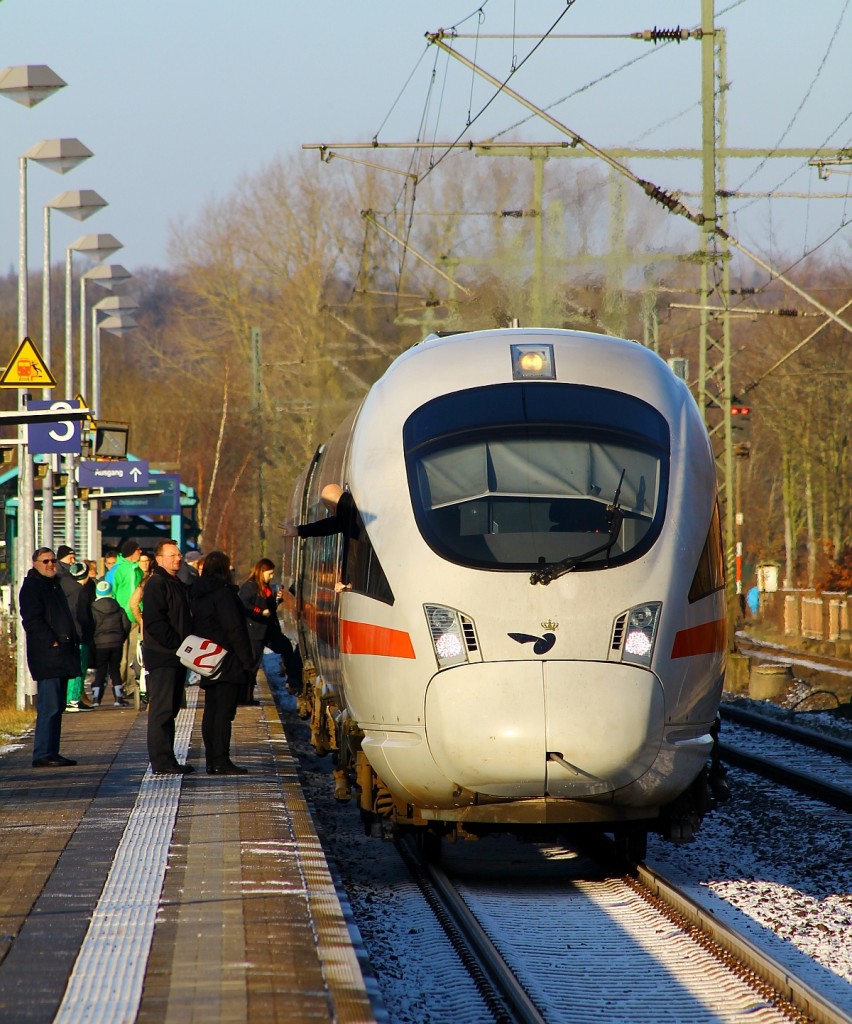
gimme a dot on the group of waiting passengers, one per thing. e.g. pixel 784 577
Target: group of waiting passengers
pixel 128 625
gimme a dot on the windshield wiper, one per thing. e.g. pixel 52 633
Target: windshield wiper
pixel 614 517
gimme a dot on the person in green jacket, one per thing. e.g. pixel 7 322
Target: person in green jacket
pixel 125 576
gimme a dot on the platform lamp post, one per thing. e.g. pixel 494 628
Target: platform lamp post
pixel 113 315
pixel 27 84
pixel 79 204
pixel 96 247
pixel 60 155
pixel 111 304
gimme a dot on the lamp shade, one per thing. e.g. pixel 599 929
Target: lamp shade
pixel 60 155
pixel 114 304
pixel 108 275
pixel 117 324
pixel 29 84
pixel 96 247
pixel 78 203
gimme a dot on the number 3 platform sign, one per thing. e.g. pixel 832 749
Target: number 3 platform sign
pixel 62 437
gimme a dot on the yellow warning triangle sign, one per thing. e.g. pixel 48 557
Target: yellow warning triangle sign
pixel 27 369
pixel 91 423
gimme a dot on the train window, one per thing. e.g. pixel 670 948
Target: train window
pixel 710 573
pixel 503 477
pixel 362 569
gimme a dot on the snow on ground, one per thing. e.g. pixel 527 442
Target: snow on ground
pixel 776 866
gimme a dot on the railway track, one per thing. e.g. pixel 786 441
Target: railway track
pixel 807 665
pixel 802 759
pixel 586 947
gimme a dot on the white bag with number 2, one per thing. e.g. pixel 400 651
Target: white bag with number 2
pixel 205 657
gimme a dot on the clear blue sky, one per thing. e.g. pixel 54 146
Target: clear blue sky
pixel 178 98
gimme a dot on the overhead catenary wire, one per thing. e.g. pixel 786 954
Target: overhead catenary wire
pixel 804 99
pixel 615 71
pixel 666 199
pixel 772 275
pixel 500 87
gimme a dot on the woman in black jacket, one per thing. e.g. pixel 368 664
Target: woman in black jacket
pixel 218 615
pixel 261 610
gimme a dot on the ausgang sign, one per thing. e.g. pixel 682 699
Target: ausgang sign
pixel 113 474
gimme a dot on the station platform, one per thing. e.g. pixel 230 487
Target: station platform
pixel 132 897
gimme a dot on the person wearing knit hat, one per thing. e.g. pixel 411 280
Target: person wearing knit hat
pixel 71 576
pixel 64 554
pixel 110 632
pixel 190 567
pixel 125 576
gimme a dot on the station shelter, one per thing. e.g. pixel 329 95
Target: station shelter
pixel 148 519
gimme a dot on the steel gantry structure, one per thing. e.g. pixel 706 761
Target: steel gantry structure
pixel 714 386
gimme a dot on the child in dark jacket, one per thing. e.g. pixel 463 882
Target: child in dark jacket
pixel 111 629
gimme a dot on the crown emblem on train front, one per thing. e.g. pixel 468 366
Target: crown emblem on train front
pixel 550 625
pixel 541 644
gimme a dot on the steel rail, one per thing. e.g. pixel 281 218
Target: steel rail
pixel 770 769
pixel 805 998
pixel 499 975
pixel 801 734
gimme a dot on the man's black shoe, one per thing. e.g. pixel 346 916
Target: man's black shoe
pixel 175 769
pixel 53 761
pixel 226 769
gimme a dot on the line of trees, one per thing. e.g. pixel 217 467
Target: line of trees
pixel 288 252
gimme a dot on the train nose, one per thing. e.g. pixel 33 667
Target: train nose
pixel 547 728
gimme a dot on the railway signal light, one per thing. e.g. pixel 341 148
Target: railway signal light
pixel 740 416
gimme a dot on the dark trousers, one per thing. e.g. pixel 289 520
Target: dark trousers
pixel 107 658
pixel 50 703
pixel 165 696
pixel 220 707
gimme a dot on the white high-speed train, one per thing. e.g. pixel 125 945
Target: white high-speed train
pixel 522 625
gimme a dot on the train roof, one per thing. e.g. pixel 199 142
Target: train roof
pixel 454 363
pixel 451 362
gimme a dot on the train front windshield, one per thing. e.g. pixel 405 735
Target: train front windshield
pixel 512 476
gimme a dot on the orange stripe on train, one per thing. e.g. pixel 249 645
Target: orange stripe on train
pixel 708 638
pixel 364 638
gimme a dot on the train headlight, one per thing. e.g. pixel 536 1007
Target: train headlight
pixel 533 362
pixel 641 632
pixel 448 640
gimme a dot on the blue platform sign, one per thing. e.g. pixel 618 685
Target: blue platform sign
pixel 64 437
pixel 113 474
pixel 165 504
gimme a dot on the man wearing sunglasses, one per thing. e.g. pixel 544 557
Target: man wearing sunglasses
pixel 53 655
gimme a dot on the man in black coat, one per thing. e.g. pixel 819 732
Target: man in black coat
pixel 166 622
pixel 53 655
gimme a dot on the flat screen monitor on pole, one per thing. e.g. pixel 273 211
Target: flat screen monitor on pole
pixel 111 440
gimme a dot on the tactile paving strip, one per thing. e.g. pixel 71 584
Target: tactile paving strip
pixel 106 983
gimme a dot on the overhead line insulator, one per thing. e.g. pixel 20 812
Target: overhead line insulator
pixel 667 35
